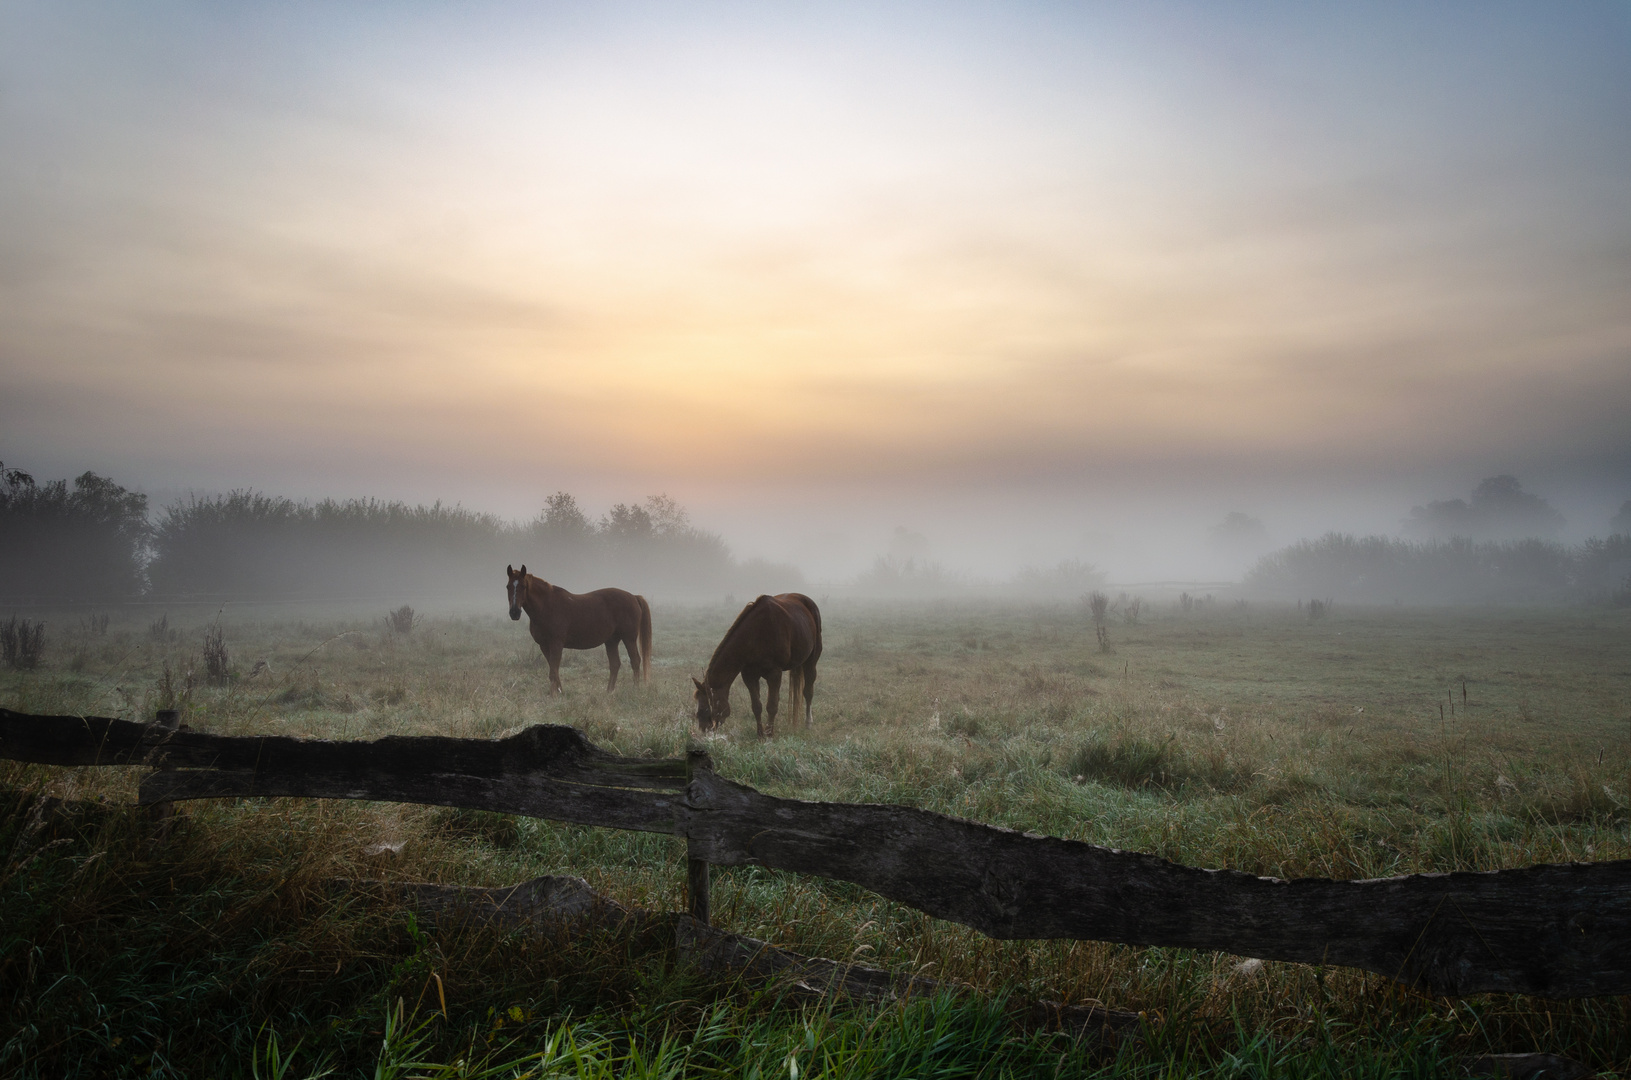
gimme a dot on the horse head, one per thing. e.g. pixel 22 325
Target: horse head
pixel 517 588
pixel 713 706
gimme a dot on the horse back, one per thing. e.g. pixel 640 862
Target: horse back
pixel 807 618
pixel 787 632
pixel 585 620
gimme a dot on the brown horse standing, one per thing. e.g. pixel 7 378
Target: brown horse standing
pixel 562 620
pixel 772 635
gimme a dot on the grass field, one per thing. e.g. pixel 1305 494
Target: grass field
pixel 1364 743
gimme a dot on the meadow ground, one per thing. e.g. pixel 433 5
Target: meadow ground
pixel 1364 743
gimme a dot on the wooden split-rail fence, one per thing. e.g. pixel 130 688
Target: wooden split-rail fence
pixel 1555 930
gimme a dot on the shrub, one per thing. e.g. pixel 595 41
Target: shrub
pixel 21 643
pixel 402 620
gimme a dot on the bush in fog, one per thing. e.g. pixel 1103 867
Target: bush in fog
pixel 1603 569
pixel 1376 569
pixel 1070 577
pixel 1499 510
pixel 61 543
pixel 892 576
pixel 254 545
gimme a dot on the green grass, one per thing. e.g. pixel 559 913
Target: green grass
pixel 1246 737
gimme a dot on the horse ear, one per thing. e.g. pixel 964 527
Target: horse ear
pixel 698 682
pixel 523 569
pixel 510 570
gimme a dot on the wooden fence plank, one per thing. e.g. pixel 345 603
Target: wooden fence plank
pixel 537 796
pixel 547 749
pixel 1558 931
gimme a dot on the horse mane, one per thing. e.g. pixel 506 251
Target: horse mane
pixel 741 616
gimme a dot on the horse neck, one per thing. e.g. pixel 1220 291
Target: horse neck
pixel 534 593
pixel 721 669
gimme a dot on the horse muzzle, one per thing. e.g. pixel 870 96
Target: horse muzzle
pixel 515 613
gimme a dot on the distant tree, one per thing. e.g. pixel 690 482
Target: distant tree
pixel 1620 524
pixel 561 520
pixel 1071 577
pixel 905 546
pixel 890 576
pixel 625 523
pixel 1499 509
pixel 57 543
pixel 659 516
pixel 668 518
pixel 1239 532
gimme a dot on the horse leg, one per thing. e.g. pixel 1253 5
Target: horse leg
pixel 632 643
pixel 809 693
pixel 552 653
pixel 758 710
pixel 795 690
pixel 613 663
pixel 774 678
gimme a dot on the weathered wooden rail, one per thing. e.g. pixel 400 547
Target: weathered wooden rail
pixel 1558 930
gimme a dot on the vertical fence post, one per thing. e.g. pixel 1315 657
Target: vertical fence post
pixel 159 815
pixel 696 870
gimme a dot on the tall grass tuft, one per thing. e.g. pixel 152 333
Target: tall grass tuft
pixel 1134 761
pixel 1098 605
pixel 217 663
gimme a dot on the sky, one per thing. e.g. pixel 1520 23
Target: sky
pixel 1037 281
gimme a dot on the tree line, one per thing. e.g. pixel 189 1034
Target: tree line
pixel 1380 569
pixel 93 540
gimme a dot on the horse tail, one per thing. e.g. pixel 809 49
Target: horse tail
pixel 645 639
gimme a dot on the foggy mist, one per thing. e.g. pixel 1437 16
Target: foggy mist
pixel 934 301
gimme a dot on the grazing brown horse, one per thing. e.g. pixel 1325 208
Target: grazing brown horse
pixel 772 635
pixel 562 620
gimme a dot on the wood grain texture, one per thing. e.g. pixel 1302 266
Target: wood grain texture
pixel 1556 931
pixel 532 796
pixel 560 752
